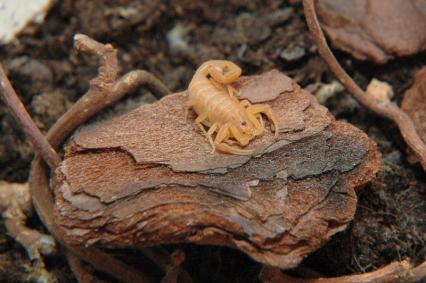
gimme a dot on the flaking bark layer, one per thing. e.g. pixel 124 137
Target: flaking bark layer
pixel 149 177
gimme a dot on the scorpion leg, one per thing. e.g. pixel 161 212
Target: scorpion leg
pixel 245 103
pixel 265 109
pixel 256 119
pixel 189 104
pixel 260 119
pixel 209 134
pixel 224 134
pixel 200 119
pixel 239 136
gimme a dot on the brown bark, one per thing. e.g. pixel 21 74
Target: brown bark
pixel 394 272
pixel 149 177
pixel 414 104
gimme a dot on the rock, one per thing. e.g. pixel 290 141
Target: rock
pixel 177 39
pixel 293 52
pixel 379 90
pixel 148 177
pixel 16 14
pixel 374 29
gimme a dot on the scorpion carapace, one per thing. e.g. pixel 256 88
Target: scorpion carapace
pixel 212 97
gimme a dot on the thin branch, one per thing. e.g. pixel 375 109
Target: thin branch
pixel 393 272
pixel 109 68
pixel 104 91
pixel 137 78
pixel 166 262
pixel 39 142
pixel 173 270
pixel 385 108
pixel 82 272
pixel 15 207
pixel 97 99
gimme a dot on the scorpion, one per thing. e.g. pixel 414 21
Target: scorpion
pixel 213 99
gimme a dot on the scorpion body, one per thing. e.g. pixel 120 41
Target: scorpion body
pixel 212 98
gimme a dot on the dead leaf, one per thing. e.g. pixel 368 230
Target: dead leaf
pixel 374 29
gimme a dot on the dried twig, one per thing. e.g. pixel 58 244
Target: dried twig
pixel 173 270
pixel 104 90
pixel 26 123
pixel 15 206
pixel 42 198
pixel 102 93
pixel 166 262
pixel 393 272
pixel 82 272
pixel 385 108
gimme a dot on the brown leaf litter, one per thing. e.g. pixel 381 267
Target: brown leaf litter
pixel 375 30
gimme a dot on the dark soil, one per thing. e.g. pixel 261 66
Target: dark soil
pixel 172 38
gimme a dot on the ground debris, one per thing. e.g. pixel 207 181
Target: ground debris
pixel 375 30
pixel 15 207
pixel 381 91
pixel 148 177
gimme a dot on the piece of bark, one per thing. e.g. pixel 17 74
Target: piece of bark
pixel 174 141
pixel 250 87
pixel 374 29
pixel 149 177
pixel 414 104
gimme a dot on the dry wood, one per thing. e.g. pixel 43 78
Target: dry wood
pixel 392 273
pixel 17 109
pixel 104 90
pixel 149 177
pixel 15 207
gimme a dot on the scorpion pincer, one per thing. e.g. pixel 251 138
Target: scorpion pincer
pixel 213 99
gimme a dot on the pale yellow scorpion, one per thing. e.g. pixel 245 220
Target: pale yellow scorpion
pixel 213 98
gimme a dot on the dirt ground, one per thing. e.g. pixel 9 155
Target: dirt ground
pixel 170 39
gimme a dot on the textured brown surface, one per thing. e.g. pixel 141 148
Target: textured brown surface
pixel 374 29
pixel 171 140
pixel 414 102
pixel 277 207
pixel 261 85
